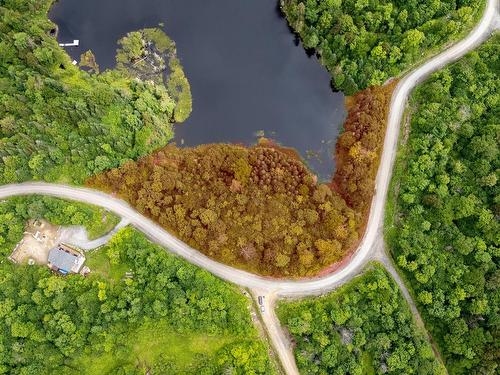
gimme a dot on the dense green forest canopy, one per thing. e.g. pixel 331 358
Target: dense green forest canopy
pixel 365 327
pixel 364 42
pixel 443 221
pixel 168 317
pixel 59 123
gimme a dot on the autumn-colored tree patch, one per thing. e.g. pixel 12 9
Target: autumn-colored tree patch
pixel 256 208
pixel 359 147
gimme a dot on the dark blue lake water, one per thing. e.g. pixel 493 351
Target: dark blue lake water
pixel 247 72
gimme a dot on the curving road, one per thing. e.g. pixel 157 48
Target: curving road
pixel 375 221
pixel 288 288
pixel 77 236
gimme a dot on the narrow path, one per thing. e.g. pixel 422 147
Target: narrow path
pixel 294 288
pixel 384 258
pixel 281 342
pixel 79 237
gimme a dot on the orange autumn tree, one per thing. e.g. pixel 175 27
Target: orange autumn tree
pixel 256 208
pixel 359 147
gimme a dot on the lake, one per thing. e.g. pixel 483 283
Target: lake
pixel 248 73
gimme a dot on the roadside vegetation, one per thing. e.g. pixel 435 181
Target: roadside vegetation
pixel 15 212
pixel 364 327
pixel 139 310
pixel 60 123
pixel 442 219
pixel 363 43
pixel 359 147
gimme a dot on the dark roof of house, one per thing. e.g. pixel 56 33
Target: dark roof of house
pixel 62 259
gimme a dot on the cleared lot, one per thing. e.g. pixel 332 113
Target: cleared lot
pixel 39 237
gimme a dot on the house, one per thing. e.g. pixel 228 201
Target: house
pixel 64 259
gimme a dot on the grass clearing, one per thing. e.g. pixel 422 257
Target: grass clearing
pixel 152 340
pixel 102 224
pixel 367 364
pixel 98 262
pixel 144 346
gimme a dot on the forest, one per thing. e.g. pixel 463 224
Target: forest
pixel 168 317
pixel 60 123
pixel 364 327
pixel 359 146
pixel 257 208
pixel 442 218
pixel 363 43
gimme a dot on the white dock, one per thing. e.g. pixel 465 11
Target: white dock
pixel 75 43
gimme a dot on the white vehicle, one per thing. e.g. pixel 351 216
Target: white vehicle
pixel 260 299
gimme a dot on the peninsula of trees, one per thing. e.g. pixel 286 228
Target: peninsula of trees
pixel 257 208
pixel 149 54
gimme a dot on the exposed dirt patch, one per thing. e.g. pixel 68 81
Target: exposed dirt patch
pixel 39 237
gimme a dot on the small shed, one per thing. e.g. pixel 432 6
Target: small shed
pixel 64 259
